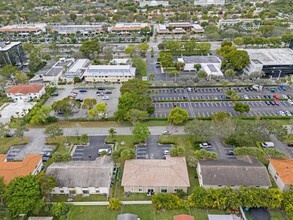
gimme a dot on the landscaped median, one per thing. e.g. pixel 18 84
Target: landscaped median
pixel 6 143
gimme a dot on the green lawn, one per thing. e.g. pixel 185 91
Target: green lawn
pixel 277 214
pixel 183 140
pixel 129 140
pixel 192 178
pixel 6 143
pixel 144 212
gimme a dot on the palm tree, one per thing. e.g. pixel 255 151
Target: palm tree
pixel 152 76
pixel 112 132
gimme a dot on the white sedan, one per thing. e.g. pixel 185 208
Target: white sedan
pixel 282 113
pixel 290 101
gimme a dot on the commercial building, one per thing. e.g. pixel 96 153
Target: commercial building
pixel 209 2
pixel 73 29
pixel 60 67
pixel 25 93
pixel 155 176
pixel 210 64
pixel 276 62
pixel 282 172
pixel 30 165
pixel 76 70
pixel 109 73
pixel 179 28
pixel 12 53
pixel 153 3
pixel 82 177
pixel 23 30
pixel 243 171
pixel 128 27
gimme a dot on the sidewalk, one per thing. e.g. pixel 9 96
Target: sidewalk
pixel 107 203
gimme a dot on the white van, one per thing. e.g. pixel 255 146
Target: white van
pixel 267 144
pixel 109 151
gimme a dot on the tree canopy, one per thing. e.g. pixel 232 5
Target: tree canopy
pixel 141 132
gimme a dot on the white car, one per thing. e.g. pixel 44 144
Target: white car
pixel 189 89
pixel 246 96
pixel 288 113
pixel 105 98
pixel 290 101
pixel 282 113
pixel 166 132
pixel 205 145
pixel 267 144
pixel 285 97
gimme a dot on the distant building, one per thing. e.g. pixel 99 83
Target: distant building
pixel 128 27
pixel 30 165
pixel 57 70
pixel 243 171
pixel 76 70
pixel 209 2
pixel 179 28
pixel 276 62
pixel 12 53
pixel 109 73
pixel 23 30
pixel 73 29
pixel 282 172
pixel 25 93
pixel 82 177
pixel 210 64
pixel 153 3
pixel 155 176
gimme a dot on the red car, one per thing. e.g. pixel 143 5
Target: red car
pixel 276 103
pixel 276 96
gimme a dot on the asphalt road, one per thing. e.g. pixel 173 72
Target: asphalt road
pixel 220 148
pixel 282 146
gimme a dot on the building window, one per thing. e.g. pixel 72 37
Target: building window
pixel 175 188
pixel 219 185
pixel 164 189
pixel 61 191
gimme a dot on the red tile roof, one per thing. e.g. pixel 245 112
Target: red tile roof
pixel 25 89
pixel 183 217
pixel 10 170
pixel 284 168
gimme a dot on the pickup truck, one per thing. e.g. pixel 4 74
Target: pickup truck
pixel 205 145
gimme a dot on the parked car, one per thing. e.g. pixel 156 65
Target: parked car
pixel 290 101
pixel 79 100
pixel 276 96
pixel 223 97
pixel 101 88
pixel 288 113
pixel 189 89
pixel 283 88
pixel 55 94
pixel 247 89
pixel 285 97
pixel 8 135
pixel 276 103
pixel 267 102
pixel 105 98
pixel 205 145
pixel 273 90
pixel 246 96
pixel 83 90
pixel 100 94
pixel 289 96
pixel 282 113
pixel 158 64
pixel 290 144
pixel 265 97
pixel 108 92
pixel 267 144
pixel 230 152
pixel 269 97
pixel 166 132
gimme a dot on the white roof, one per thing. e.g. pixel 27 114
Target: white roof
pixel 197 26
pixel 80 63
pixel 276 56
pixel 5 47
pixel 123 25
pixel 119 61
pixel 110 70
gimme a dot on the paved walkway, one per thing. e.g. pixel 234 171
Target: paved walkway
pixel 107 203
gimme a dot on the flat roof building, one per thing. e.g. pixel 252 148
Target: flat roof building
pixel 275 62
pixel 12 53
pixel 73 29
pixel 57 70
pixel 153 3
pixel 209 2
pixel 76 70
pixel 24 29
pixel 109 73
pixel 178 28
pixel 128 27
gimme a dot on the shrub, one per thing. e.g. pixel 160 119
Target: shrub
pixel 167 201
pixel 114 204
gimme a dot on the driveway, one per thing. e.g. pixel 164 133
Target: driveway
pixel 220 148
pixel 282 146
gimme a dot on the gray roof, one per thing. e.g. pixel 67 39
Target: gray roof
pixel 110 70
pixel 83 173
pixel 201 59
pixel 243 171
pixel 127 216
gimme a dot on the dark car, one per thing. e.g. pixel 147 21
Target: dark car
pixel 270 97
pixel 174 104
pixel 250 89
pixel 265 96
pixel 108 92
pixel 267 102
pixel 290 144
pixel 8 135
pixel 79 100
pixel 54 94
pixel 246 89
pixel 272 103
pixel 101 88
pixel 230 152
pixel 83 90
pixel 184 97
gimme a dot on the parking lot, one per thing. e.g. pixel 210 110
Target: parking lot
pixel 205 107
pixel 90 93
pixel 15 109
pixel 152 149
pixel 90 151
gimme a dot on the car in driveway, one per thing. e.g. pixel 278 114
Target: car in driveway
pixel 230 152
pixel 267 144
pixel 282 113
pixel 166 132
pixel 205 145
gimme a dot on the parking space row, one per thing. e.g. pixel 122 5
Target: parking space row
pixel 213 104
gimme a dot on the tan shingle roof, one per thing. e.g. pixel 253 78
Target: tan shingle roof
pixel 284 168
pixel 25 89
pixel 169 172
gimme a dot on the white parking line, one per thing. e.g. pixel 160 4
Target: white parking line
pixel 275 113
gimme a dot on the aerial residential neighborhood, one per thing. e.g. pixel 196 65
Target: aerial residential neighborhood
pixel 146 110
